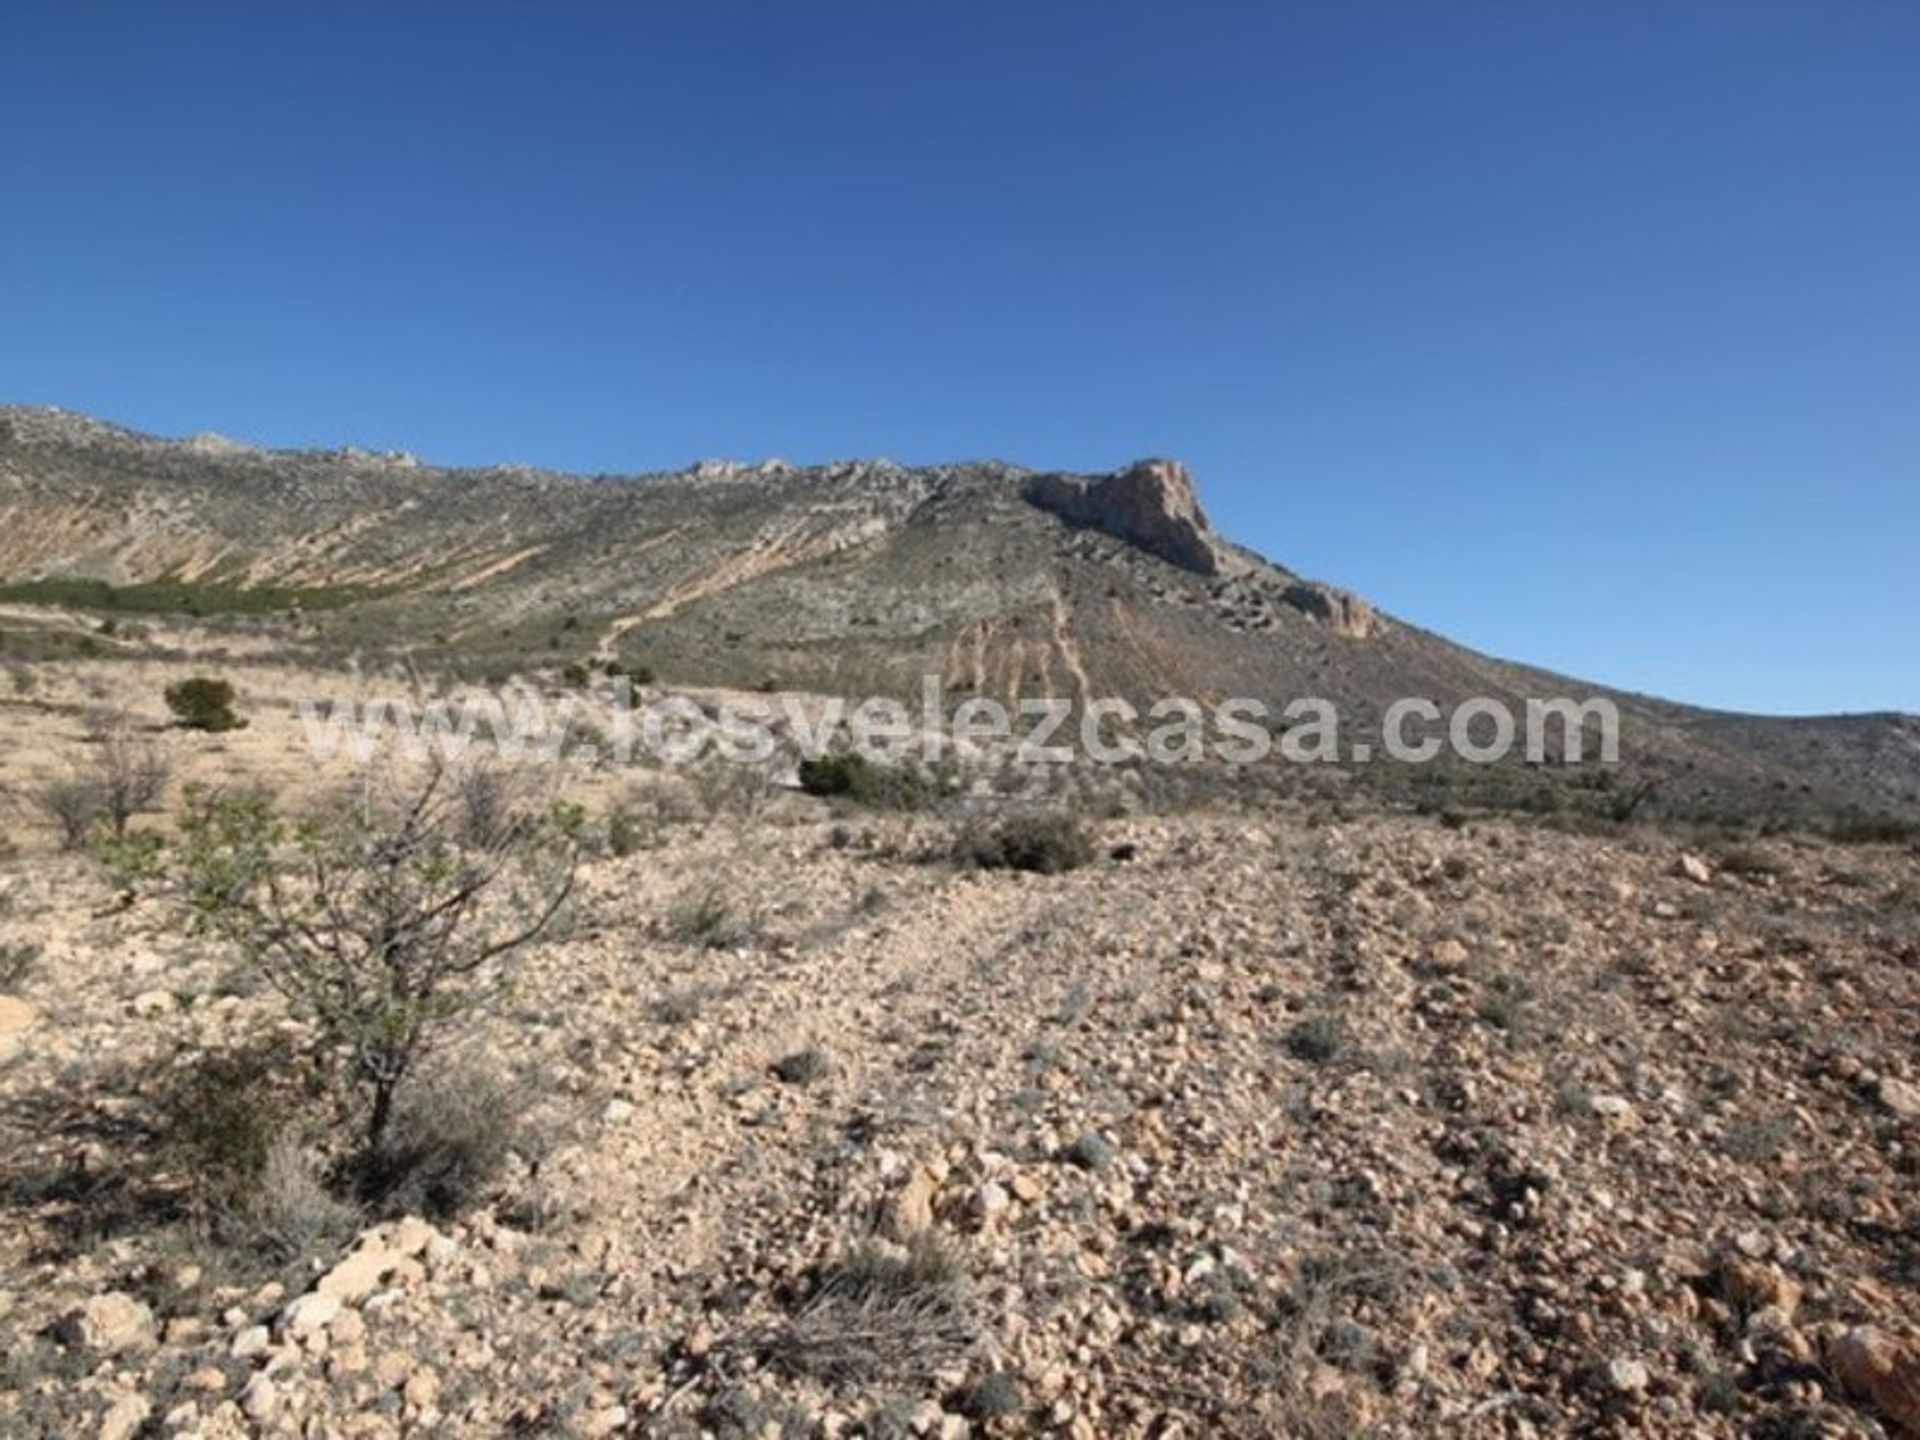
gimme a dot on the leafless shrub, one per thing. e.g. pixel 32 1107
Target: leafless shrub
pixel 491 805
pixel 120 776
pixel 131 773
pixel 290 1213
pixel 73 806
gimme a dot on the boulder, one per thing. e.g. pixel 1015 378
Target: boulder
pixel 1873 1366
pixel 111 1324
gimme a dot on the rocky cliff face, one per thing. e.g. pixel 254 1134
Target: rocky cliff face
pixel 1341 611
pixel 1149 504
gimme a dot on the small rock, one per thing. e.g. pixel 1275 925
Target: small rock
pixel 1898 1097
pixel 359 1275
pixel 261 1399
pixel 1873 1366
pixel 422 1390
pixel 111 1323
pixel 1757 1285
pixel 1627 1376
pixel 150 1003
pixel 309 1315
pixel 1692 867
pixel 126 1416
pixel 250 1342
pixel 1611 1107
pixel 911 1209
pixel 991 1201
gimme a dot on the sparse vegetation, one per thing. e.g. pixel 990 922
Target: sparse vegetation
pixel 860 781
pixel 17 961
pixel 450 1141
pixel 898 1313
pixel 1042 843
pixel 803 1067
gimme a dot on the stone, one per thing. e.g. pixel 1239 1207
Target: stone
pixel 309 1315
pixel 150 1003
pixel 412 1236
pixel 1616 1108
pixel 260 1401
pixel 422 1390
pixel 1627 1376
pixel 111 1324
pixel 991 1201
pixel 1898 1097
pixel 1341 611
pixel 250 1342
pixel 125 1417
pixel 911 1209
pixel 16 1018
pixel 1692 867
pixel 359 1275
pixel 1758 1285
pixel 1881 1370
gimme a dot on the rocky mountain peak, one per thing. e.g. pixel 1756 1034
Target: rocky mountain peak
pixel 1150 504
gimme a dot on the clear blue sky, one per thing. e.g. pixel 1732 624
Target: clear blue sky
pixel 1588 334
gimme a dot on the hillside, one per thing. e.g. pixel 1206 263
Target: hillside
pixel 858 577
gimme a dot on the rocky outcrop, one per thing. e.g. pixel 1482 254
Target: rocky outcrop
pixel 1149 504
pixel 1339 610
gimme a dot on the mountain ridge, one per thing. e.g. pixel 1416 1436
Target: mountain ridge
pixel 853 576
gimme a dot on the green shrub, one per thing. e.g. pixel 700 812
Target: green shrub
pixel 1042 844
pixel 855 778
pixel 203 704
pixel 383 949
pixel 236 1125
pixel 624 835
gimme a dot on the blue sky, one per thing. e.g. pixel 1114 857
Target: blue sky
pixel 1586 334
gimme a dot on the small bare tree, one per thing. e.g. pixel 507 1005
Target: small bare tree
pixel 379 916
pixel 132 773
pixel 121 776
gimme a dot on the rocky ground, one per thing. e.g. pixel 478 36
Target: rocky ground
pixel 1290 1125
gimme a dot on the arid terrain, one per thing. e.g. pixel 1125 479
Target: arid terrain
pixel 1305 1105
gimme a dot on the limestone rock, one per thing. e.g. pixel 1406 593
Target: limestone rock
pixel 1150 504
pixel 111 1324
pixel 1881 1370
